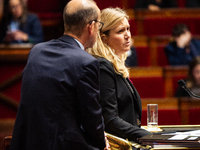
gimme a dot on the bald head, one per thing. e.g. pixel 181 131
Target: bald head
pixel 77 14
pixel 76 5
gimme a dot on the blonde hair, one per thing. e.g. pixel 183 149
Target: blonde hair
pixel 111 17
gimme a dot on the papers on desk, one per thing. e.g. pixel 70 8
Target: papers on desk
pixel 176 139
pixel 190 135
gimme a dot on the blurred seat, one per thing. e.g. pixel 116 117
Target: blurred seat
pixel 148 81
pixel 7 142
pixel 151 23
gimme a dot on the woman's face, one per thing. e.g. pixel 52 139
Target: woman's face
pixel 15 8
pixel 119 38
pixel 196 74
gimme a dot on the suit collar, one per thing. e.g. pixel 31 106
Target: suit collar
pixel 70 40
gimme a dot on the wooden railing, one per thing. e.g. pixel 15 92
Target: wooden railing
pixel 14 52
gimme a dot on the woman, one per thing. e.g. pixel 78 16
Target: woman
pixel 17 26
pixel 193 79
pixel 121 103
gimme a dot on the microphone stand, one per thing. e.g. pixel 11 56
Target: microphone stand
pixel 183 85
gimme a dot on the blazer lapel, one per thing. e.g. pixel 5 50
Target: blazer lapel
pixel 134 94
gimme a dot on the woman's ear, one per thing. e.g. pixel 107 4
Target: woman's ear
pixel 104 38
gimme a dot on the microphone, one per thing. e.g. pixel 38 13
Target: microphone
pixel 183 85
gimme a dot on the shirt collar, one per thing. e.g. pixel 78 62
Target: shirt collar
pixel 79 43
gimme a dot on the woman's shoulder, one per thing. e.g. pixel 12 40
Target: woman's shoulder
pixel 105 64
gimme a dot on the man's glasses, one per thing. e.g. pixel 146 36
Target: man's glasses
pixel 100 24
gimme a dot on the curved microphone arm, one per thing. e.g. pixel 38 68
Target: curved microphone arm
pixel 183 85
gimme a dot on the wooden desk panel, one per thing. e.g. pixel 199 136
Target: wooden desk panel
pixel 14 52
pixel 137 72
pixel 163 103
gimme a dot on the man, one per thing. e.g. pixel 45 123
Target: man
pixel 59 107
pixel 184 48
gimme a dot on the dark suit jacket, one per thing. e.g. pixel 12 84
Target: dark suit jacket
pixel 32 27
pixel 59 108
pixel 121 103
pixel 179 56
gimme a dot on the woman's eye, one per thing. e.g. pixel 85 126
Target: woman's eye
pixel 120 31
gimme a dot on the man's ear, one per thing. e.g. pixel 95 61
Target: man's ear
pixel 91 27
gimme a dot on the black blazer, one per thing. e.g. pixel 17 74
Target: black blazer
pixel 59 108
pixel 121 103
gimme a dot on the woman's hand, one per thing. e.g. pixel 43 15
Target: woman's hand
pixel 19 35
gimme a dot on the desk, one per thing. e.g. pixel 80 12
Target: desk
pixel 14 52
pixel 176 128
pixel 118 143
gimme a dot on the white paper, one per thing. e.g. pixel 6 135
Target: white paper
pixel 178 137
pixel 192 138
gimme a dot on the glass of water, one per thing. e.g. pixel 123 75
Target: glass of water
pixel 152 117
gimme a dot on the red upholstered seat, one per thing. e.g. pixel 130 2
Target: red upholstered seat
pixel 194 116
pixel 161 57
pixel 7 112
pixel 149 87
pixel 165 117
pixel 181 3
pixel 8 74
pixel 143 56
pixel 164 26
pixel 51 16
pixel 109 3
pixel 45 6
pixel 133 27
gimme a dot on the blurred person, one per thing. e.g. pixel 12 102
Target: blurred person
pixel 155 5
pixel 131 60
pixel 19 26
pixel 59 107
pixel 192 80
pixel 120 101
pixel 183 48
